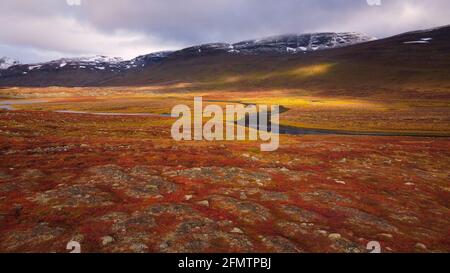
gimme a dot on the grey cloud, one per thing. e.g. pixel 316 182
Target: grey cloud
pixel 132 27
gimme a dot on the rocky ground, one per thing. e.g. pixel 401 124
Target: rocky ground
pixel 119 184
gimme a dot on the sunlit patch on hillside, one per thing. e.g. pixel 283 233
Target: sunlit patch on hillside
pixel 312 70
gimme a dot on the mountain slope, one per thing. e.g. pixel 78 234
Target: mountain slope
pixel 100 69
pixel 410 64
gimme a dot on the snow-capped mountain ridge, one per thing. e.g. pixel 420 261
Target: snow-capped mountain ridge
pixel 110 66
pixel 6 63
pixel 283 44
pixel 79 62
pixel 293 43
pixel 98 62
pixel 92 59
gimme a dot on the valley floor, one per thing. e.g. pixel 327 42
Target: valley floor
pixel 121 184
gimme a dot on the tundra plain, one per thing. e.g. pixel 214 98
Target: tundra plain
pixel 119 183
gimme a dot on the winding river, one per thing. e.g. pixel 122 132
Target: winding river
pixel 8 105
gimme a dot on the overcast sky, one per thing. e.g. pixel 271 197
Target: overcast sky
pixel 33 31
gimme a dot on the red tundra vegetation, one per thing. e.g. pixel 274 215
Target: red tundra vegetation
pixel 121 184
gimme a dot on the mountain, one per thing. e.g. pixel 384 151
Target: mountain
pixel 413 64
pixel 99 62
pixel 97 70
pixel 6 63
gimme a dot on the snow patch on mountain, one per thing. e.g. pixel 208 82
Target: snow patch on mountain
pixel 421 41
pixel 6 63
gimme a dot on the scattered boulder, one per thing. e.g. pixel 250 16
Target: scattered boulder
pixel 106 240
pixel 334 236
pixel 237 230
pixel 204 203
